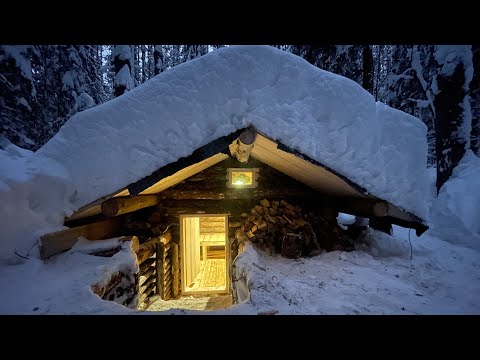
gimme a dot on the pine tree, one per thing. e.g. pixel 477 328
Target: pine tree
pixel 18 97
pixel 158 59
pixel 136 64
pixel 409 84
pixel 345 60
pixel 191 52
pixel 475 101
pixel 452 107
pixel 123 65
pixel 367 68
pixel 144 63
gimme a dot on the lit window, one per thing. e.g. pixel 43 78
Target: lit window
pixel 242 178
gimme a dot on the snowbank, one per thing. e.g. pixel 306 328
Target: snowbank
pixel 455 212
pixel 33 200
pixel 63 285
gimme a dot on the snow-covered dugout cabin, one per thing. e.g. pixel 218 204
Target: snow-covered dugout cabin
pixel 203 156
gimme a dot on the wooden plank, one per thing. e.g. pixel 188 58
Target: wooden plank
pixel 184 173
pixel 310 174
pixel 60 241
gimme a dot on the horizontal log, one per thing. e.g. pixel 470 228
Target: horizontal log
pixel 60 241
pixel 146 264
pixel 125 204
pixel 227 193
pixel 164 238
pixel 146 284
pixel 146 275
pixel 143 254
pixel 108 252
pixel 362 207
pixel 143 297
pixel 150 288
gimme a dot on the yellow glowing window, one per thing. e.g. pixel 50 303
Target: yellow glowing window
pixel 242 178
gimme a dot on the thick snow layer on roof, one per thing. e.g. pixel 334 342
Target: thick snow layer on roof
pixel 325 116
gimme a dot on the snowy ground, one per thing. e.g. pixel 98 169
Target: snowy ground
pixel 441 278
pixel 378 278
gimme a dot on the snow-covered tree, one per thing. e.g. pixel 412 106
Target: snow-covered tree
pixel 18 97
pixel 475 101
pixel 191 52
pixel 80 79
pixel 158 59
pixel 453 117
pixel 123 65
pixel 143 50
pixel 367 68
pixel 345 60
pixel 408 85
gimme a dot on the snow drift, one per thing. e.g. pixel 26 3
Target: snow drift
pixel 328 117
pixel 455 212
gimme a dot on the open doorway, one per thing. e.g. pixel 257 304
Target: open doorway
pixel 204 254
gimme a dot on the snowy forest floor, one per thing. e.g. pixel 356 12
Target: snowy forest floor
pixel 377 278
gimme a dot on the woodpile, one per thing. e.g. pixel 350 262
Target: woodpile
pixel 282 228
pixel 119 287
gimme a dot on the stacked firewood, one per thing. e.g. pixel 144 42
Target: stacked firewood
pixel 282 228
pixel 120 285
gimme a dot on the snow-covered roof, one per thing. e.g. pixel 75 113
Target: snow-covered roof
pixel 327 117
